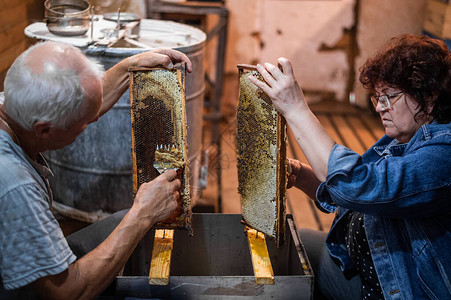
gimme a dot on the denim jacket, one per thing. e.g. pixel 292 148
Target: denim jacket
pixel 404 191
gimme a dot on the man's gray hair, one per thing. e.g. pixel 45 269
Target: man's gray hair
pixel 54 96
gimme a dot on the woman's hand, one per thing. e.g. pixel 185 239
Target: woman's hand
pixel 281 86
pixel 302 177
pixel 294 168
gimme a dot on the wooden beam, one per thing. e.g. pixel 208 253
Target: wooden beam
pixel 160 265
pixel 363 133
pixel 13 36
pixel 9 55
pixel 325 120
pixel 350 139
pixel 12 16
pixel 260 257
pixel 375 124
pixel 438 19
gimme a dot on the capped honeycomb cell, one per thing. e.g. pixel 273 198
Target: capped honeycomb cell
pixel 261 155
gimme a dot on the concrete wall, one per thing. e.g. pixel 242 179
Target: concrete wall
pixel 131 6
pixel 261 31
pixel 378 22
pixel 318 36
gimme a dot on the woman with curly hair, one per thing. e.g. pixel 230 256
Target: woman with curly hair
pixel 392 229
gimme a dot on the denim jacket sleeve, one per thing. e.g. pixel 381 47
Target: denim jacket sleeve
pixel 409 180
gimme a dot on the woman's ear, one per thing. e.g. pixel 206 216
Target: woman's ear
pixel 430 106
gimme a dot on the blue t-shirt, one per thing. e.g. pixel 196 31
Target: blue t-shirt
pixel 32 244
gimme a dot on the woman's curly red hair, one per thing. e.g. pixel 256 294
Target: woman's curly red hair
pixel 417 65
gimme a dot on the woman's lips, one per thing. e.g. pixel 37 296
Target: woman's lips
pixel 385 121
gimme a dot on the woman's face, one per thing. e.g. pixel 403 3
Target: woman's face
pixel 399 120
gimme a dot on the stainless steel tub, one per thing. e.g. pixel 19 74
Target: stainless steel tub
pixel 215 264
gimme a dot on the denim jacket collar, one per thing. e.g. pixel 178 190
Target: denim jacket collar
pixel 395 148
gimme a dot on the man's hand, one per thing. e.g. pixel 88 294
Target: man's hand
pixel 116 79
pixel 175 57
pixel 164 57
pixel 157 200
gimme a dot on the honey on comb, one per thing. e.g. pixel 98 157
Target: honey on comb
pixel 157 99
pixel 261 152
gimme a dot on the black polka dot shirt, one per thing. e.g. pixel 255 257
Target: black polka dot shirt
pixel 359 251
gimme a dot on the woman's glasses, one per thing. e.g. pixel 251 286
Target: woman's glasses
pixel 386 101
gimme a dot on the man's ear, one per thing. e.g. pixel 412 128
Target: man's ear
pixel 42 129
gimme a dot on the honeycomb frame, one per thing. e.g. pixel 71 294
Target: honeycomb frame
pixel 158 117
pixel 262 158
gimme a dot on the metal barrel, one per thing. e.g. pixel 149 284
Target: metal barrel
pixel 95 172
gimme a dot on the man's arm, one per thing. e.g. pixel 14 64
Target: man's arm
pixel 89 276
pixel 116 79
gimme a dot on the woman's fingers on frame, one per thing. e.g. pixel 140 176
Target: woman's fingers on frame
pixel 272 69
pixel 260 84
pixel 285 64
pixel 265 74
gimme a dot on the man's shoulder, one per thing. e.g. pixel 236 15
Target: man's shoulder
pixel 9 151
pixel 16 170
pixel 15 174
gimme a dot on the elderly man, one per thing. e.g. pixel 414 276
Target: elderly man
pixel 52 92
